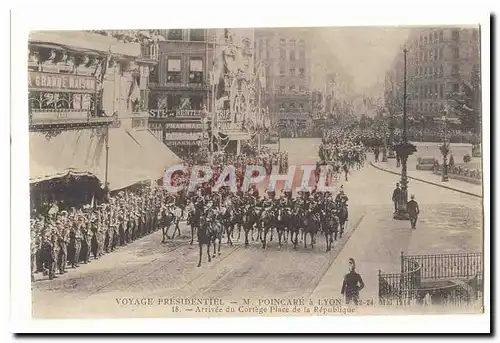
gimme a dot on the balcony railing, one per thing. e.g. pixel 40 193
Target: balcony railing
pixel 45 110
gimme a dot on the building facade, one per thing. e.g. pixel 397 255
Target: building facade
pixel 284 53
pixel 203 86
pixel 439 61
pixel 88 115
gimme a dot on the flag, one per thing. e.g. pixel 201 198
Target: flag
pixel 134 93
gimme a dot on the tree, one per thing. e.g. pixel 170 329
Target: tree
pixel 467 104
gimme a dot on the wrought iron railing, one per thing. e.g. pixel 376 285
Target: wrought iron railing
pixel 408 286
pixel 394 288
pixel 61 108
pixel 445 266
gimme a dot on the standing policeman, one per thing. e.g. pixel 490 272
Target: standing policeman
pixel 352 284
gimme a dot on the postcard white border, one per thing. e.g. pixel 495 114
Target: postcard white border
pixel 217 13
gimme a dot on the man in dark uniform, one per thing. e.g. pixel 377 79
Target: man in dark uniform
pixel 413 211
pixel 63 241
pixel 352 284
pixel 396 195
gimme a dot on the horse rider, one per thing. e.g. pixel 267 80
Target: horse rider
pixel 341 198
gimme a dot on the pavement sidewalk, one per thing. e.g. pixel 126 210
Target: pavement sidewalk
pixel 431 178
pixel 377 243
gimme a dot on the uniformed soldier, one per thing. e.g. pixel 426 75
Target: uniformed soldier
pixel 75 242
pixel 63 248
pixel 34 248
pixel 86 239
pixel 54 252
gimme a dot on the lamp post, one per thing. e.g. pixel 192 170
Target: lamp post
pixel 445 148
pixel 404 149
pixel 391 124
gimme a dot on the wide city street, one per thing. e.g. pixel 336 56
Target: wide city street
pixel 449 221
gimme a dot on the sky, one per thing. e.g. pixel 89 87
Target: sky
pixel 365 53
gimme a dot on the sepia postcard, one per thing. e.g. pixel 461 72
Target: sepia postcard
pixel 255 172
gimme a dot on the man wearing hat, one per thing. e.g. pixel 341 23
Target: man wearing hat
pixel 413 211
pixel 396 195
pixel 63 240
pixel 352 284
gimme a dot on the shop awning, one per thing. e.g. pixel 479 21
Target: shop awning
pixel 158 156
pixel 131 158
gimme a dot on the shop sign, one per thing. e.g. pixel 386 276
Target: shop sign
pixel 184 143
pixel 186 126
pixel 184 136
pixel 55 82
pixel 164 113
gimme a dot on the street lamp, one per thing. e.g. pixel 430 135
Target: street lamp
pixel 445 148
pixel 404 149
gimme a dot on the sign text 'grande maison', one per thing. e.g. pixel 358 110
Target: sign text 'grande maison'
pixel 53 82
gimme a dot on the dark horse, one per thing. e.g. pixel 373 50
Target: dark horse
pixel 311 224
pixel 226 221
pixel 294 223
pixel 281 223
pixel 266 223
pixel 250 218
pixel 204 233
pixel 343 215
pixel 330 227
pixel 194 221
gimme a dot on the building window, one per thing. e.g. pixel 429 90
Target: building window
pixel 173 101
pixel 292 89
pixel 455 35
pixel 292 55
pixel 301 106
pixel 425 40
pixel 421 41
pixel 302 55
pixel 291 104
pixel 174 70
pixel 282 106
pixel 196 70
pixel 197 35
pixel 456 52
pixel 302 89
pixel 302 42
pixel 282 41
pixel 436 38
pixel 435 90
pixel 292 71
pixel 281 90
pixel 283 54
pixel 455 87
pixel 302 72
pixel 430 38
pixel 441 91
pixel 292 43
pixel 174 35
pixel 441 36
pixel 441 71
pixel 282 71
pixel 455 71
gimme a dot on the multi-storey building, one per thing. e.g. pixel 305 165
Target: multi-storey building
pixel 200 72
pixel 88 114
pixel 439 62
pixel 285 55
